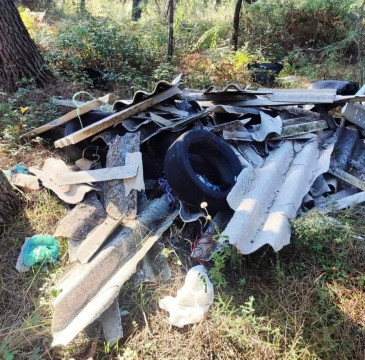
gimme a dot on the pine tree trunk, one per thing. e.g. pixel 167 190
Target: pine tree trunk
pixel 170 49
pixel 236 24
pixel 9 202
pixel 82 6
pixel 136 10
pixel 19 56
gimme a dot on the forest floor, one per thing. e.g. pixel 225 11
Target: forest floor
pixel 305 302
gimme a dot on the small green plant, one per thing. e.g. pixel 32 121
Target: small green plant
pixel 171 253
pixel 5 352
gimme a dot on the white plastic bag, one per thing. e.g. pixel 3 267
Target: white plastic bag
pixel 192 300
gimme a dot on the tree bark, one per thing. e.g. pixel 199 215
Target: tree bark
pixel 19 56
pixel 136 10
pixel 35 5
pixel 360 43
pixel 82 6
pixel 236 23
pixel 9 202
pixel 170 50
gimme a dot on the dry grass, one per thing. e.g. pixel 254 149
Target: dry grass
pixel 302 303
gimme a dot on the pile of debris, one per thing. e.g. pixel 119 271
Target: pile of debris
pixel 251 160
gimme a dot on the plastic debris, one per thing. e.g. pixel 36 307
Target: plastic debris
pixel 40 248
pixel 192 300
pixel 17 169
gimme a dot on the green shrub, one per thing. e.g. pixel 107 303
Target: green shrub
pixel 277 28
pixel 101 44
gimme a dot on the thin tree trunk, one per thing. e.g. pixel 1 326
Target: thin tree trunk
pixel 9 202
pixel 170 50
pixel 360 44
pixel 136 10
pixel 82 5
pixel 236 23
pixel 19 56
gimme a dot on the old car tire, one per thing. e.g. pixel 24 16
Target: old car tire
pixel 200 166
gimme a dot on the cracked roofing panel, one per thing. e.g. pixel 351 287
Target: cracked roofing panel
pixel 265 203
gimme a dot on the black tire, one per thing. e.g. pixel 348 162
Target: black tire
pixel 200 166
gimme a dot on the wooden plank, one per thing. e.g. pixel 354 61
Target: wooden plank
pixel 348 178
pixel 116 118
pixel 105 174
pixel 304 128
pixel 92 105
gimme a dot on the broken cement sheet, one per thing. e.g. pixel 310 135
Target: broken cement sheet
pixel 187 214
pixel 179 124
pixel 269 125
pixel 291 130
pixel 154 267
pixel 111 321
pixel 24 181
pixel 140 95
pixel 348 178
pixel 308 96
pixel 87 290
pixel 136 182
pixel 192 300
pixel 319 187
pixel 234 88
pixel 95 239
pixel 51 173
pixel 85 164
pixel 104 174
pixel 250 154
pixel 264 206
pixel 119 200
pixel 83 218
pixel 332 204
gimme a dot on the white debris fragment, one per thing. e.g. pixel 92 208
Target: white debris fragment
pixel 192 300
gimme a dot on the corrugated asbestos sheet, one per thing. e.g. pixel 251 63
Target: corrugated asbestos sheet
pixel 267 198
